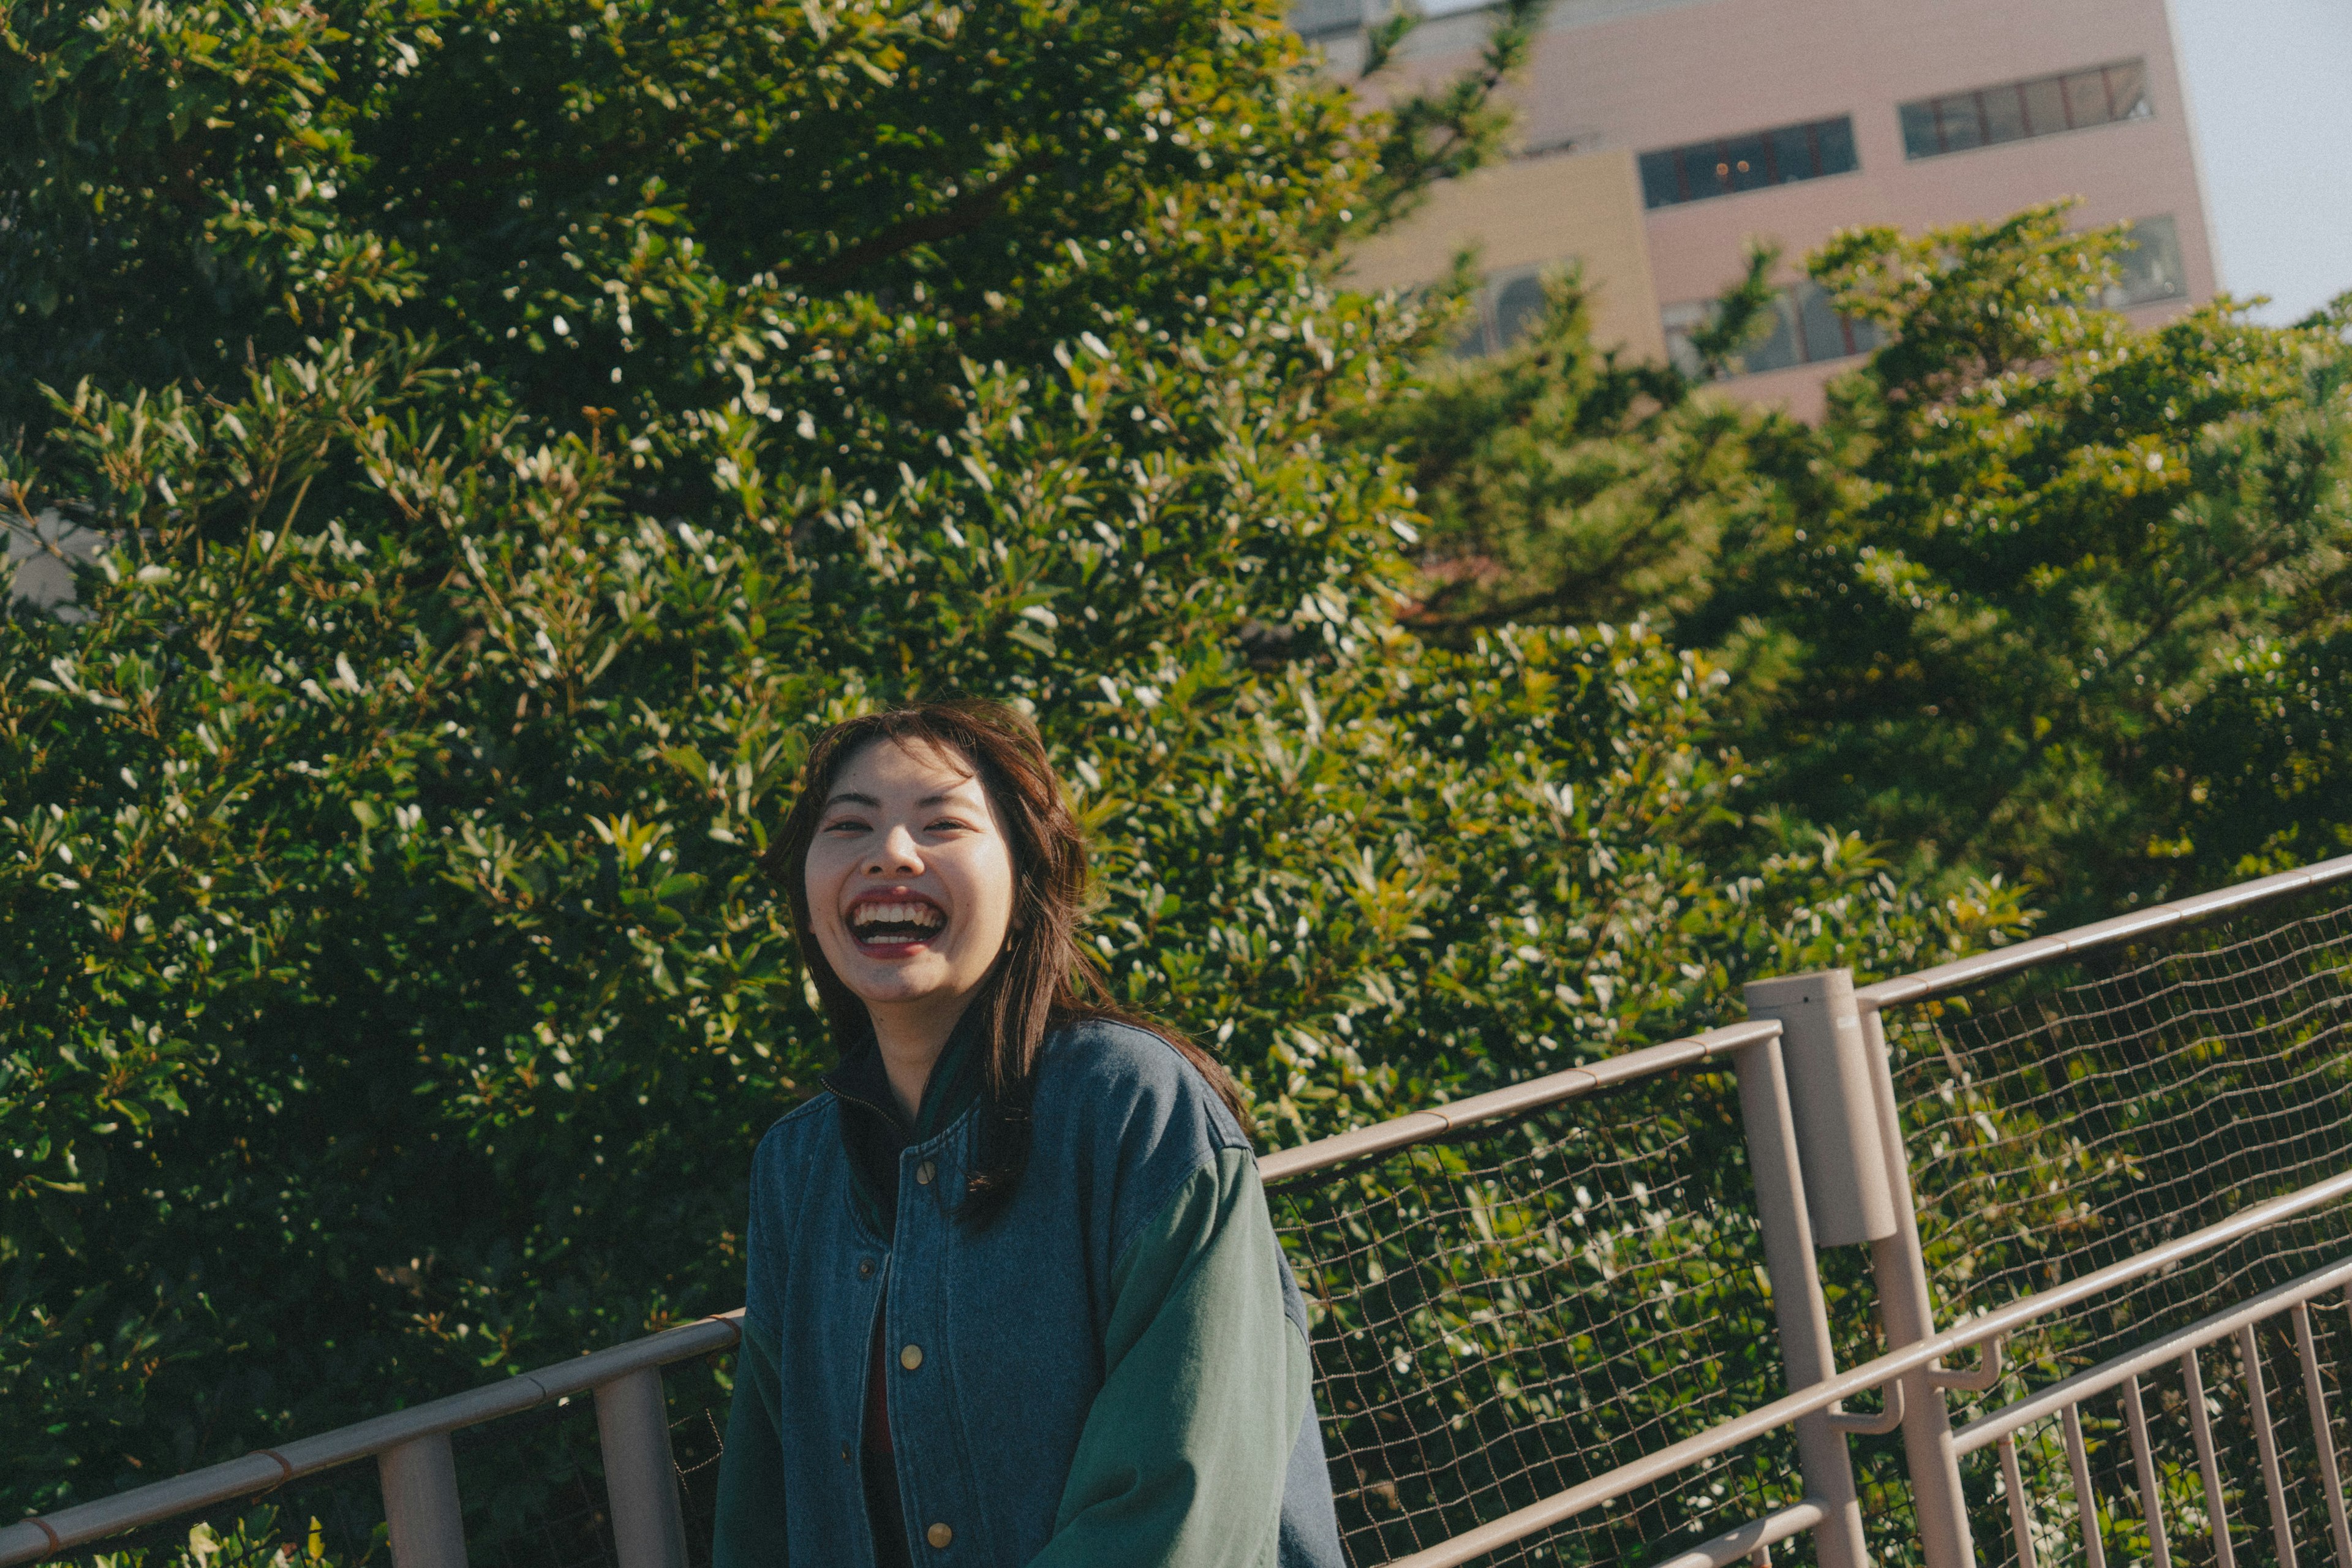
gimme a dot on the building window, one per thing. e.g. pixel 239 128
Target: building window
pixel 1804 330
pixel 1748 161
pixel 1507 308
pixel 1989 116
pixel 2151 266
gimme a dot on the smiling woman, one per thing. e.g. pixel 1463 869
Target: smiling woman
pixel 908 886
pixel 1015 1296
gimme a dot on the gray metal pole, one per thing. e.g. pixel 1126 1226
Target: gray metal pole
pixel 420 1502
pixel 640 1475
pixel 1907 1313
pixel 1797 1305
pixel 1831 1101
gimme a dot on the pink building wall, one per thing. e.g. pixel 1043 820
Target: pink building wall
pixel 1657 75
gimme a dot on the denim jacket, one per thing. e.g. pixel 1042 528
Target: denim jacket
pixel 1112 1371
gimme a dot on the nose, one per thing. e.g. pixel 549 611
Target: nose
pixel 896 856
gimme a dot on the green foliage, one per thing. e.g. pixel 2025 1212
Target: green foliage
pixel 1563 483
pixel 2263 758
pixel 1453 129
pixel 2044 593
pixel 650 207
pixel 2067 530
pixel 1419 872
pixel 387 998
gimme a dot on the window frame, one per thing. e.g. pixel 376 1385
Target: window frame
pixel 1930 112
pixel 1705 169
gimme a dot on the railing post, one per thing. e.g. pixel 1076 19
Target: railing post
pixel 640 1474
pixel 1858 1190
pixel 1832 1102
pixel 420 1504
pixel 1798 1306
pixel 1907 1313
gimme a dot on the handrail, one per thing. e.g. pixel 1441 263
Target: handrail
pixel 1726 1436
pixel 31 1540
pixel 2000 960
pixel 1991 1428
pixel 1552 1089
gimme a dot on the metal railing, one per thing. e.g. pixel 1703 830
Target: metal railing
pixel 417 1467
pixel 1585 1318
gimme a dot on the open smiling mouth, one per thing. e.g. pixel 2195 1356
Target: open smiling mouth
pixel 895 925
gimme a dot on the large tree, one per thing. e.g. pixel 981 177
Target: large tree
pixel 2065 533
pixel 2043 593
pixel 518 427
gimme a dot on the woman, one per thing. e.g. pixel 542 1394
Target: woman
pixel 1014 1294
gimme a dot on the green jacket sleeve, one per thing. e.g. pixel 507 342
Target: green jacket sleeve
pixel 749 1529
pixel 1182 1460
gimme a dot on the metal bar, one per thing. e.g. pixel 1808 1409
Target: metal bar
pixel 31 1540
pixel 2266 1444
pixel 1863 1424
pixel 640 1472
pixel 420 1504
pixel 1799 1308
pixel 2209 1464
pixel 1824 1058
pixel 1907 1313
pixel 2001 960
pixel 1983 1380
pixel 2148 1357
pixel 2151 1500
pixel 2021 1515
pixel 26 1541
pixel 1437 1122
pixel 1726 1436
pixel 2323 1435
pixel 1753 1540
pixel 2086 1503
pixel 59 1532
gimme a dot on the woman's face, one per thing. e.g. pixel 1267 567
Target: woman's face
pixel 909 883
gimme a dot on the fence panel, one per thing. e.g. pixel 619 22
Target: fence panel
pixel 1513 1309
pixel 2081 1113
pixel 1507 1309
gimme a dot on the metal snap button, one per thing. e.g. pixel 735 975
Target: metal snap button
pixel 924 1172
pixel 938 1535
pixel 864 1267
pixel 911 1357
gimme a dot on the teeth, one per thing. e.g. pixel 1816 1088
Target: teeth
pixel 922 916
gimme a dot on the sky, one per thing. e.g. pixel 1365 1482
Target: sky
pixel 2270 84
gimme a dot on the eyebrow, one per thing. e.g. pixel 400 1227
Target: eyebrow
pixel 851 797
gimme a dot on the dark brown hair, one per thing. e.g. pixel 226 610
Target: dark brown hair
pixel 1044 975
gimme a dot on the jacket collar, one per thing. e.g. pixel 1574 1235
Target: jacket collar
pixel 861 1081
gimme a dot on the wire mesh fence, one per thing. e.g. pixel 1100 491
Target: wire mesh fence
pixel 2073 1120
pixel 2258 1487
pixel 1509 1311
pixel 2075 1116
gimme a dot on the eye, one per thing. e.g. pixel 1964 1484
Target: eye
pixel 950 825
pixel 844 825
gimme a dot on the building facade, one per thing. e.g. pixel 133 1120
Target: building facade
pixel 1789 120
